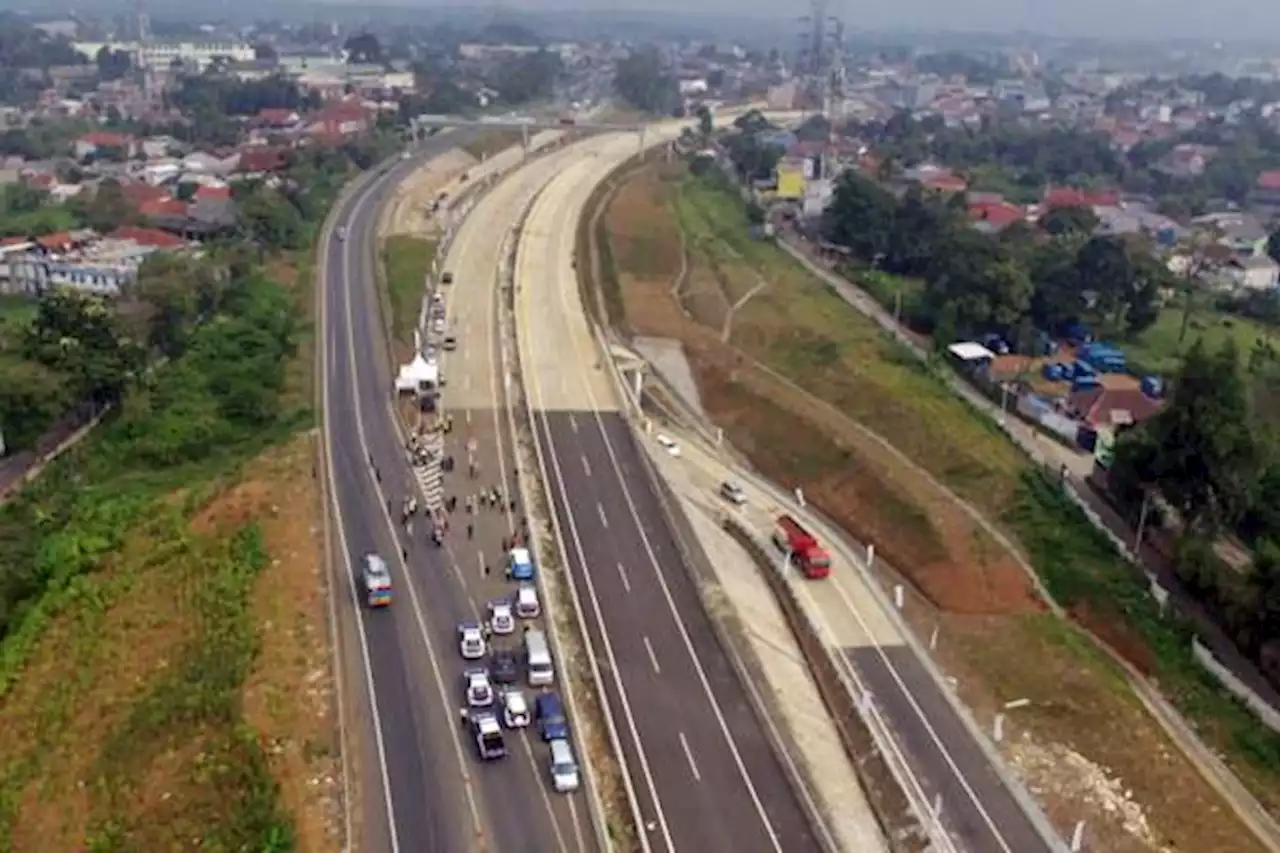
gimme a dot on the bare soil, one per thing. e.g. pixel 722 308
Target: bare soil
pixel 815 397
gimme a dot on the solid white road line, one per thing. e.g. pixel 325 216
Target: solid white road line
pixel 446 705
pixel 584 380
pixel 349 579
pixel 688 753
pixel 653 659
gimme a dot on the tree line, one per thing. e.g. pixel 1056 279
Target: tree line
pixel 1020 160
pixel 1027 279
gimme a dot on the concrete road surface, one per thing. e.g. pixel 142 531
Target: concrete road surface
pixel 474 399
pixel 423 788
pixel 706 774
pixel 979 811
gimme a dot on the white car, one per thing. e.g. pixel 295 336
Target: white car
pixel 733 493
pixel 527 604
pixel 668 444
pixel 471 641
pixel 478 687
pixel 501 619
pixel 515 710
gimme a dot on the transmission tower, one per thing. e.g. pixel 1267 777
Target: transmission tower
pixel 142 23
pixel 821 67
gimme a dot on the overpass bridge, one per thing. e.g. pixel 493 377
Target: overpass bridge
pixel 524 123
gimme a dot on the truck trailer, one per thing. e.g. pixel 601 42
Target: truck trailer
pixel 802 548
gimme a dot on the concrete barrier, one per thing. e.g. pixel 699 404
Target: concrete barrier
pixel 890 804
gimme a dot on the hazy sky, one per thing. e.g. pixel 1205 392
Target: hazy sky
pixel 1252 19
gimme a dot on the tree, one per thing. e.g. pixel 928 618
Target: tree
pixel 81 336
pixel 32 397
pixel 1273 245
pixel 264 51
pixel 1199 450
pixel 107 209
pixel 271 221
pixel 643 81
pixel 861 217
pixel 527 77
pixel 363 48
pixel 1069 220
pixel 706 122
pixel 113 64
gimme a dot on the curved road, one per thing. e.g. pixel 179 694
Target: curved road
pixel 421 785
pixel 704 769
pixel 646 621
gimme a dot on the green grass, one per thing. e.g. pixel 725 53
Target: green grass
pixel 66 570
pixel 1083 572
pixel 806 332
pixel 1158 350
pixel 407 260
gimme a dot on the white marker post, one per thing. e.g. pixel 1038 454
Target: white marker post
pixel 800 497
pixel 1077 837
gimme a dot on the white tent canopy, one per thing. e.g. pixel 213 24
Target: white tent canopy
pixel 418 375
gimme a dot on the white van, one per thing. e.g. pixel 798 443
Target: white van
pixel 537 655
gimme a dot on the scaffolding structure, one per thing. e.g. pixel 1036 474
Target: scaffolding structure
pixel 821 67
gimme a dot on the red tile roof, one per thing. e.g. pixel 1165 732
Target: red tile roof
pixel 107 138
pixel 163 207
pixel 147 237
pixel 1269 180
pixel 13 241
pixel 139 193
pixel 945 182
pixel 1105 407
pixel 207 193
pixel 1072 197
pixel 277 116
pixel 59 242
pixel 998 213
pixel 262 159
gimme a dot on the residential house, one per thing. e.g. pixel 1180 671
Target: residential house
pixel 1135 219
pixel 205 163
pixel 1055 197
pixel 1242 233
pixel 91 144
pixel 154 147
pixel 339 120
pixel 1187 160
pixel 994 215
pixel 86 262
pixel 1256 273
pixel 1266 192
pixel 276 119
pixel 1111 410
pixel 261 160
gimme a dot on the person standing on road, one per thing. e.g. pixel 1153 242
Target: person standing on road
pixel 471 530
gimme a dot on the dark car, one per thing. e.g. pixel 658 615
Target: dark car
pixel 447 278
pixel 549 713
pixel 504 667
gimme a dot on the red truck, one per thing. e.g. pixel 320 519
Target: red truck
pixel 806 554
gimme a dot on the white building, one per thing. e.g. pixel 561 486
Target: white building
pixel 161 56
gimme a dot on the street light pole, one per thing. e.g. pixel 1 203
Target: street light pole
pixel 1142 522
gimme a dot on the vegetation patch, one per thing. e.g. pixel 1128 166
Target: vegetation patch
pixel 128 635
pixel 491 142
pixel 407 260
pixel 807 387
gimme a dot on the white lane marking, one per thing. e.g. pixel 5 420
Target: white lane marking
pixel 604 519
pixel 586 466
pixel 688 753
pixel 573 423
pixel 584 381
pixel 548 463
pixel 622 573
pixel 653 659
pixel 468 416
pixel 447 706
pixel 480 563
pixel 349 579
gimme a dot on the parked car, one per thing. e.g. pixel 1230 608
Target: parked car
pixel 471 640
pixel 504 666
pixel 515 710
pixel 478 687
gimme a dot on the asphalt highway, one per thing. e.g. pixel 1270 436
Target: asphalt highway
pixel 705 771
pixel 421 785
